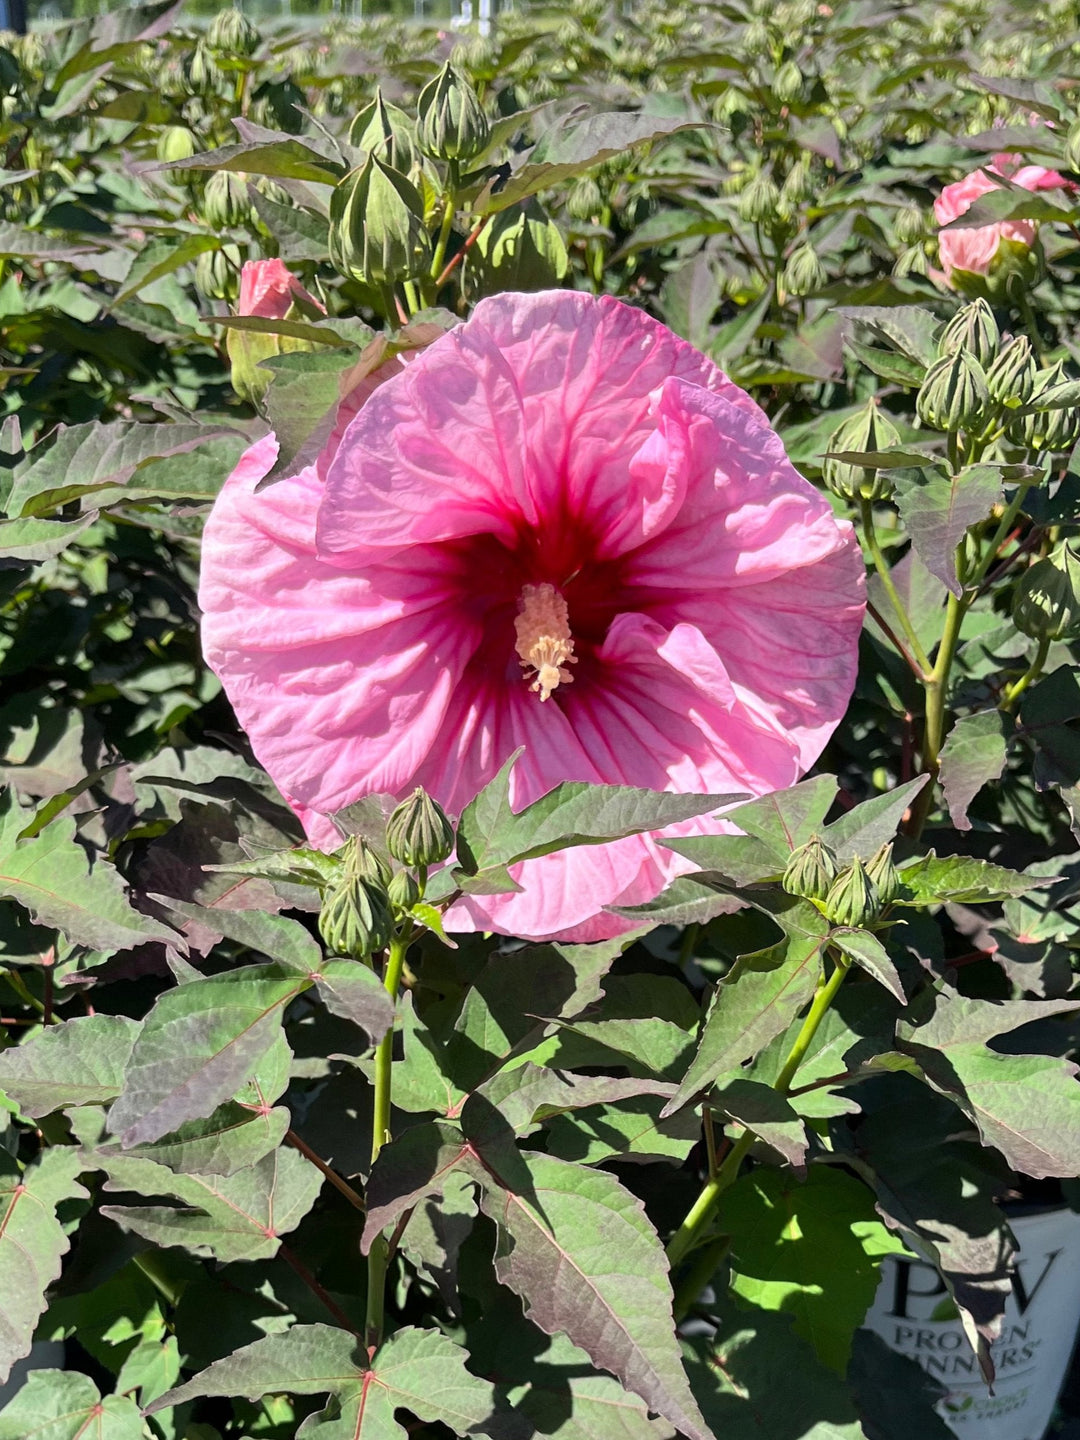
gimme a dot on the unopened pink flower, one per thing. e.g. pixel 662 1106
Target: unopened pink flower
pixel 268 288
pixel 974 248
pixel 560 527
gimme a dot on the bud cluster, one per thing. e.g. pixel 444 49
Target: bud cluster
pixel 368 898
pixel 856 896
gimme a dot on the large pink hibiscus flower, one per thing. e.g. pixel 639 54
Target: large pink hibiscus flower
pixel 559 527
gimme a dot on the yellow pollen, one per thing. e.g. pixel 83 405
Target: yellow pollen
pixel 544 642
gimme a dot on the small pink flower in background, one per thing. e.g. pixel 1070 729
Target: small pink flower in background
pixel 559 527
pixel 974 249
pixel 268 288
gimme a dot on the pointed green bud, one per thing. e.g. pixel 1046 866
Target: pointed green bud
pixel 1047 601
pixel 953 395
pixel 418 832
pixel 521 249
pixel 217 273
pixel 884 875
pixel 584 200
pixel 404 891
pixel 974 329
pixel 1010 381
pixel 868 431
pixel 853 897
pixel 384 130
pixel 910 225
pixel 804 273
pixel 452 124
pixel 377 233
pixel 232 33
pixel 201 74
pixel 364 860
pixel 798 183
pixel 176 142
pixel 355 918
pixel 788 83
pixel 811 870
pixel 1045 429
pixel 912 261
pixel 757 202
pixel 224 201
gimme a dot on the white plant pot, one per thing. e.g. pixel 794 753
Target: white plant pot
pixel 1032 1356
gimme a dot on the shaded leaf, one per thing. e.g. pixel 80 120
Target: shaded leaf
pixel 766 1114
pixel 937 511
pixel 973 755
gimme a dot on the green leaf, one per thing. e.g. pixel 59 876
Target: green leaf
pixel 624 1130
pixel 922 595
pixel 348 988
pixel 766 1114
pixel 284 158
pixel 31 539
pixel 1027 1106
pixel 973 755
pixel 809 1248
pixel 491 835
pixel 738 859
pixel 938 510
pixel 126 461
pixel 940 1199
pixel 574 146
pixel 686 901
pixel 889 364
pixel 52 876
pixel 300 235
pixel 786 819
pixel 938 880
pixel 65 1405
pixel 160 257
pixel 32 1242
pixel 1011 203
pixel 868 952
pixel 865 829
pixel 583 1256
pixel 418 1370
pixel 78 1062
pixel 734 1375
pixel 198 1045
pixel 759 998
pixel 231 1217
pixel 281 939
pixel 910 328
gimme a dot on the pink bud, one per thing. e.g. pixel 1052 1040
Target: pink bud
pixel 267 288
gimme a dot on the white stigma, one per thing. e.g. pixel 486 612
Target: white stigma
pixel 544 642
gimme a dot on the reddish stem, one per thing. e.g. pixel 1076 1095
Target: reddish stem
pixel 451 264
pixel 316 1289
pixel 291 1138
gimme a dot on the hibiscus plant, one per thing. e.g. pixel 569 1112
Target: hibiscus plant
pixel 538 848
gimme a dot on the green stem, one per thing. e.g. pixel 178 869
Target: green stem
pixel 1030 324
pixel 378 1259
pixel 1008 519
pixel 447 221
pixel 1034 670
pixel 937 686
pixel 873 544
pixel 689 1233
pixel 412 298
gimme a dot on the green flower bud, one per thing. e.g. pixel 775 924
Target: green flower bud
pixel 232 33
pixel 275 106
pixel 798 183
pixel 910 225
pixel 912 261
pixel 521 249
pixel 224 201
pixel 804 273
pixel 217 273
pixel 452 123
pixel 355 918
pixel 884 875
pixel 176 142
pixel 853 897
pixel 1046 429
pixel 756 37
pixel 953 394
pixel 377 233
pixel 788 83
pixel 418 832
pixel 811 870
pixel 364 860
pixel 584 201
pixel 1072 147
pixel 384 130
pixel 1010 380
pixel 201 74
pixel 868 431
pixel 1047 601
pixel 974 329
pixel 757 203
pixel 404 891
